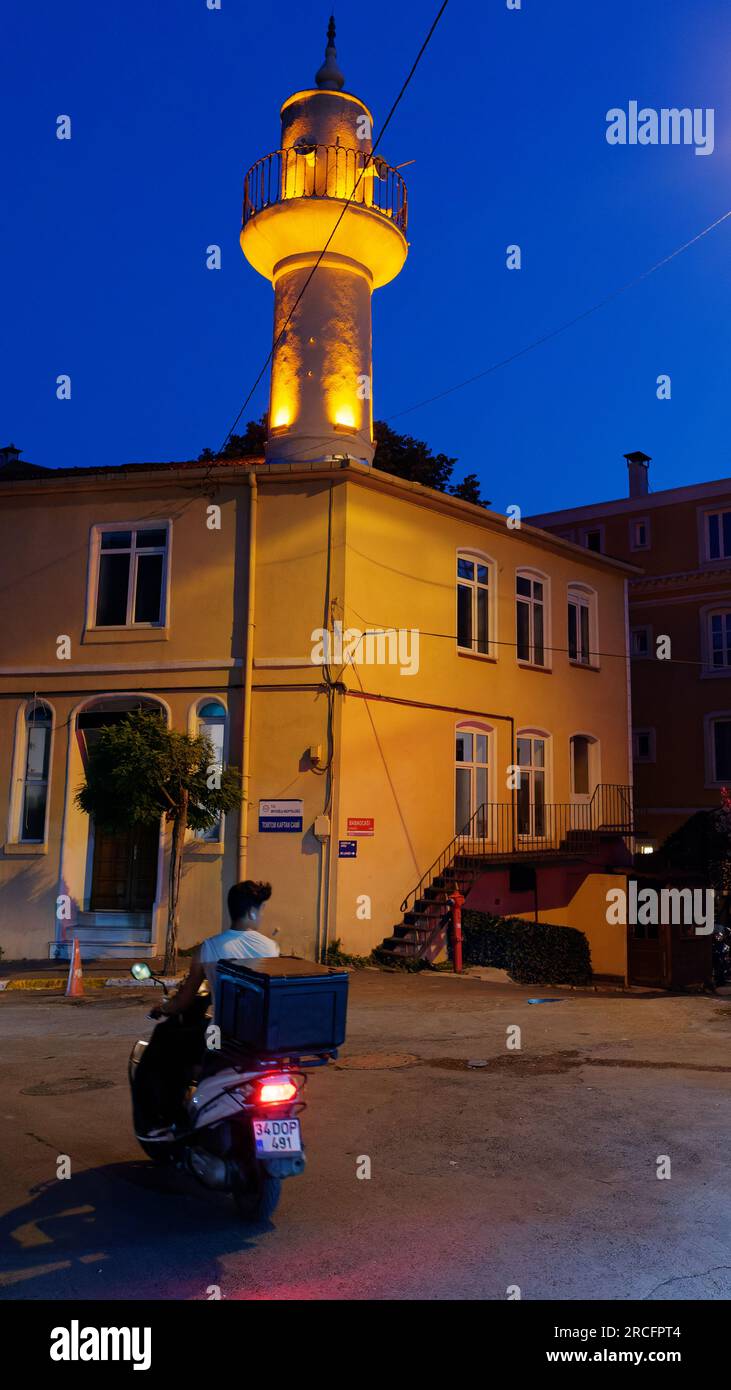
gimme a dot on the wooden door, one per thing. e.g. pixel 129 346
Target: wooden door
pixel 124 871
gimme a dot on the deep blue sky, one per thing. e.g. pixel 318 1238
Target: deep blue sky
pixel 103 237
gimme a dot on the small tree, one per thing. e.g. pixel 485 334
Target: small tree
pixel 139 771
pixel 399 454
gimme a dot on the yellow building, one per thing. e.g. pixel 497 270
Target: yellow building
pixel 388 665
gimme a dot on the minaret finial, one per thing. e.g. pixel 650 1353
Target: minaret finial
pixel 329 77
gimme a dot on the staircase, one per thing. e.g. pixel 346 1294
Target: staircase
pixel 112 935
pixel 422 933
pixel 496 835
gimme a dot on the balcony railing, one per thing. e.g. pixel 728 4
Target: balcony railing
pixel 326 171
pixel 523 830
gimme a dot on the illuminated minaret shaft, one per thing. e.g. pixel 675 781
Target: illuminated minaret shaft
pixel 320 401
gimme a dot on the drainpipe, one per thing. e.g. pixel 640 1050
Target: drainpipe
pixel 243 855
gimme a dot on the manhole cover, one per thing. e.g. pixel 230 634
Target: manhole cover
pixel 377 1061
pixel 66 1085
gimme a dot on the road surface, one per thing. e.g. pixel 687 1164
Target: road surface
pixel 538 1169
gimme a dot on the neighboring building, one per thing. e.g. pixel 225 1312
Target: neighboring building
pixel 681 690
pixel 205 590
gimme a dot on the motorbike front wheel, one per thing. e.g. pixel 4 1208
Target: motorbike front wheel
pixel 256 1195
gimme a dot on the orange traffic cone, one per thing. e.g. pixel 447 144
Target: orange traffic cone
pixel 75 986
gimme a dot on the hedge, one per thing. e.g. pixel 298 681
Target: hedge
pixel 531 952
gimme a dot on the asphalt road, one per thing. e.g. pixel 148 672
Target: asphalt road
pixel 538 1169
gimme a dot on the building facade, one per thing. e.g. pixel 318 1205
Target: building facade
pixel 386 664
pixel 680 636
pixel 380 652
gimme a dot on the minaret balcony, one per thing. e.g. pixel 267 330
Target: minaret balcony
pixel 291 202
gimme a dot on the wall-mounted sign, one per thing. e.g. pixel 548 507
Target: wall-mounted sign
pixel 280 817
pixel 361 825
pixel 347 849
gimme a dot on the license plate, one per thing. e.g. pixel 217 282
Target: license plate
pixel 277 1136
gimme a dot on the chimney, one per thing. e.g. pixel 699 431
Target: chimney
pixel 9 456
pixel 637 467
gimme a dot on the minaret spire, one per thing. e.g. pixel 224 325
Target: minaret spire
pixel 329 77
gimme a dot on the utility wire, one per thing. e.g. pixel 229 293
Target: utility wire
pixel 452 637
pixel 349 200
pixel 554 333
pixel 521 352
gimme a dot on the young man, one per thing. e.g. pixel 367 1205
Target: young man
pixel 242 941
pixel 172 1053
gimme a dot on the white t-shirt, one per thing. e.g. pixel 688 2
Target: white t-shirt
pixel 233 945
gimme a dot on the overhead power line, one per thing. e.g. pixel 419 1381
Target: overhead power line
pixel 554 333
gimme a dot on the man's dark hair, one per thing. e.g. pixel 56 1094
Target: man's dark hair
pixel 243 896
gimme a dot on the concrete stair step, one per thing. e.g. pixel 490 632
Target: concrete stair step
pixel 101 950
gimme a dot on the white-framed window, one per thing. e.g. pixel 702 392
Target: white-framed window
pixel 531 796
pixel 472 777
pixel 130 575
pixel 719 640
pixel 582 623
pixel 717 535
pixel 643 745
pixel 641 640
pixel 211 722
pixel 718 748
pixel 33 764
pixel 531 626
pixel 639 533
pixel 592 537
pixel 475 603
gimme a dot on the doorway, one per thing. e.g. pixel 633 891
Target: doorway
pixel 122 865
pixel 124 869
pixel 532 786
pixel 471 781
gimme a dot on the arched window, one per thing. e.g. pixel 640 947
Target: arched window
pixel 531 598
pixel 212 725
pixel 34 798
pixel 475 603
pixel 582 625
pixel 585 777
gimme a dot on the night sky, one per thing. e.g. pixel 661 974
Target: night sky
pixel 104 236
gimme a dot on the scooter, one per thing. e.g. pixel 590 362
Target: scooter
pixel 240 1130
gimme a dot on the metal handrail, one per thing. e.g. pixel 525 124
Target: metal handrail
pixel 326 171
pixel 502 829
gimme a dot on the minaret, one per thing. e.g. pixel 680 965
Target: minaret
pixel 320 403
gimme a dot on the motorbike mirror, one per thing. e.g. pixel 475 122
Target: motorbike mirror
pixel 140 970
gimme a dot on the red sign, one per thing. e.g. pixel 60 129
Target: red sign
pixel 361 825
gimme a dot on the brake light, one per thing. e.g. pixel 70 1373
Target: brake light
pixel 276 1092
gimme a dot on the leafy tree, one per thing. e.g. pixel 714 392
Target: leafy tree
pixel 469 490
pixel 399 454
pixel 702 845
pixel 410 458
pixel 250 444
pixel 139 771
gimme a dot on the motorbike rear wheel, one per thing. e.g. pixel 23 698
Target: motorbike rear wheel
pixel 256 1196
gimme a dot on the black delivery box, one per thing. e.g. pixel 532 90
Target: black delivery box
pixel 280 1004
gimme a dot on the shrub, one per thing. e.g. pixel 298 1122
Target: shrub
pixel 531 952
pixel 335 955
